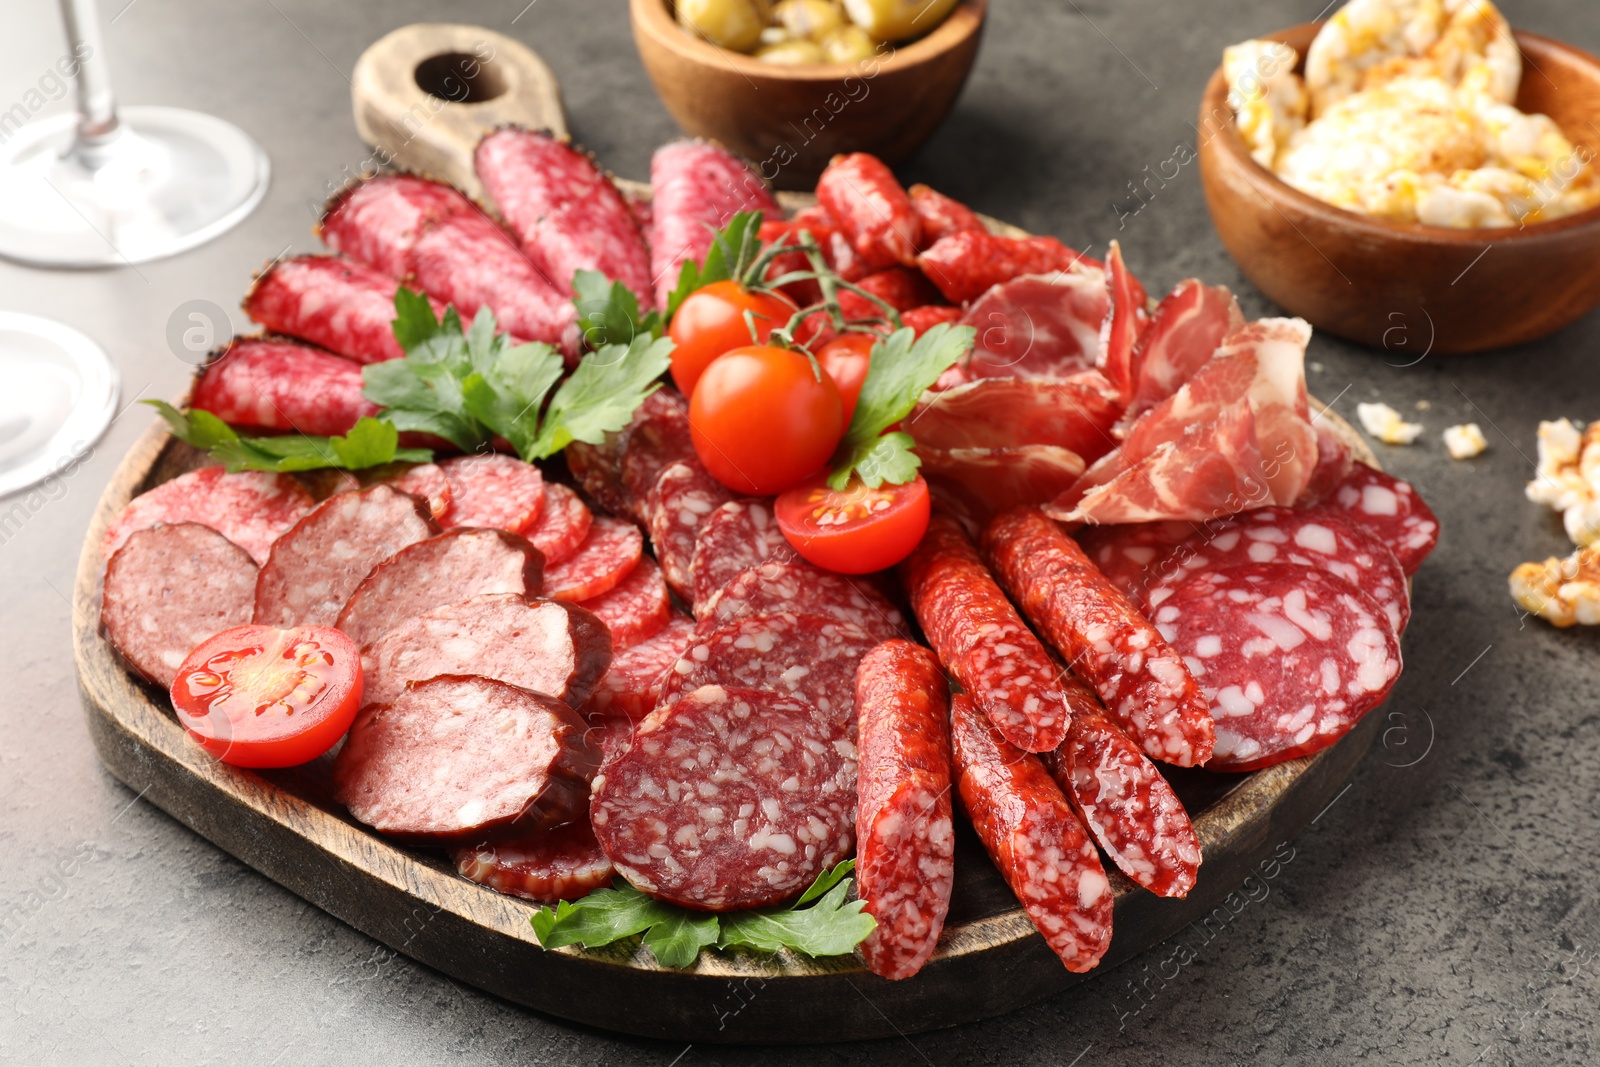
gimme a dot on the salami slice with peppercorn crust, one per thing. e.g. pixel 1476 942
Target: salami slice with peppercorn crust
pixel 1032 834
pixel 250 508
pixel 984 643
pixel 465 759
pixel 1128 807
pixel 905 837
pixel 1104 638
pixel 729 798
pixel 560 864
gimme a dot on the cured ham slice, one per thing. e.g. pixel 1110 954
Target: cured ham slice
pixel 1038 326
pixel 1237 435
pixel 1125 319
pixel 978 483
pixel 1074 413
pixel 1187 327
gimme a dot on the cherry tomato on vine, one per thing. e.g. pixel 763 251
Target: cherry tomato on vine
pixel 762 418
pixel 257 696
pixel 854 530
pixel 710 322
pixel 846 358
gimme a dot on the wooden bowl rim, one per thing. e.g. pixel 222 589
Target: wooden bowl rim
pixel 651 18
pixel 1274 188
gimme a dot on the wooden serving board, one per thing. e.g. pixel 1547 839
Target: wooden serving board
pixel 286 825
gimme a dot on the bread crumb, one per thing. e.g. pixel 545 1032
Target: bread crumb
pixel 1465 441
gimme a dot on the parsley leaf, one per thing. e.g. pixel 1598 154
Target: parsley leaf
pixel 601 394
pixel 608 311
pixel 902 368
pixel 732 248
pixel 370 443
pixel 604 916
pixel 831 926
pixel 677 940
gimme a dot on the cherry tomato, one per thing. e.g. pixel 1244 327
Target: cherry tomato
pixel 257 696
pixel 846 358
pixel 854 530
pixel 710 322
pixel 762 418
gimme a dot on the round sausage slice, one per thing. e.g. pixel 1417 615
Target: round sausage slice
pixel 465 759
pixel 560 864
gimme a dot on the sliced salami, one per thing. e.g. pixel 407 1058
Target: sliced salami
pixel 1034 837
pixel 560 864
pixel 556 649
pixel 1318 538
pixel 598 469
pixel 984 644
pixel 280 385
pixel 250 508
pixel 563 524
pixel 1104 638
pixel 379 221
pixel 168 588
pixel 631 687
pixel 316 565
pixel 941 215
pixel 1134 557
pixel 800 587
pixel 682 503
pixel 657 438
pixel 463 759
pixel 698 188
pixel 728 798
pixel 608 554
pixel 637 608
pixel 865 199
pixel 427 480
pixel 1128 807
pixel 1289 658
pixel 1391 509
pixel 737 536
pixel 431 574
pixel 493 492
pixel 905 837
pixel 344 306
pixel 809 656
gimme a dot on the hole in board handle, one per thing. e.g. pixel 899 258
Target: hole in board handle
pixel 459 77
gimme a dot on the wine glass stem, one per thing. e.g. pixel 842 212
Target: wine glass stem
pixel 97 104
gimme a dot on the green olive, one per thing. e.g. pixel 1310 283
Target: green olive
pixel 808 20
pixel 734 24
pixel 791 53
pixel 897 20
pixel 848 44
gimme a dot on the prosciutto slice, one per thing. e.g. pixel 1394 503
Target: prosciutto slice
pixel 1125 319
pixel 1075 413
pixel 1188 325
pixel 979 483
pixel 1237 435
pixel 1038 326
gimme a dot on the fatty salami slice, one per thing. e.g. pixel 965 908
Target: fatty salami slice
pixel 984 644
pixel 426 480
pixel 1391 509
pixel 314 568
pixel 378 221
pixel 493 492
pixel 807 655
pixel 560 864
pixel 729 798
pixel 681 504
pixel 556 649
pixel 345 306
pixel 806 589
pixel 905 837
pixel 1133 557
pixel 637 608
pixel 598 469
pixel 1034 837
pixel 168 588
pixel 250 508
pixel 1104 638
pixel 279 385
pixel 465 759
pixel 657 438
pixel 1289 658
pixel 565 211
pixel 698 187
pixel 631 686
pixel 563 523
pixel 1314 538
pixel 1128 807
pixel 737 536
pixel 435 573
pixel 608 555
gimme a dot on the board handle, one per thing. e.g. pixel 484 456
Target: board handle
pixel 426 94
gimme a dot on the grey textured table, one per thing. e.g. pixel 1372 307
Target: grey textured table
pixel 1442 910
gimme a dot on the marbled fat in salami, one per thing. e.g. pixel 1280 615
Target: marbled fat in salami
pixel 560 864
pixel 250 508
pixel 1391 509
pixel 493 492
pixel 698 188
pixel 345 306
pixel 737 536
pixel 683 501
pixel 1134 558
pixel 280 385
pixel 637 608
pixel 806 589
pixel 379 221
pixel 608 555
pixel 563 524
pixel 1289 658
pixel 728 798
pixel 167 589
pixel 631 686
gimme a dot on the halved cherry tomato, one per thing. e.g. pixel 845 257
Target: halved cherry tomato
pixel 846 358
pixel 257 696
pixel 854 530
pixel 762 418
pixel 710 322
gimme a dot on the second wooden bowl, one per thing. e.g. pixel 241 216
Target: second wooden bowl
pixel 1409 288
pixel 789 121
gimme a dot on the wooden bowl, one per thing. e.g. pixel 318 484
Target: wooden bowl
pixel 789 121
pixel 1402 286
